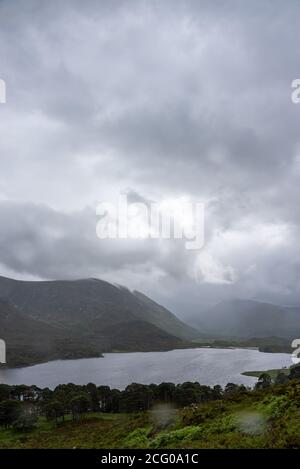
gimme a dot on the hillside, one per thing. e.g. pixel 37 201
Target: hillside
pixel 163 318
pixel 30 341
pixel 233 418
pixel 72 319
pixel 79 303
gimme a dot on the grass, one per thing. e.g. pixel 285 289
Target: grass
pixel 95 430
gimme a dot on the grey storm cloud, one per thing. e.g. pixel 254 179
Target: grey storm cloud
pixel 169 99
pixel 45 243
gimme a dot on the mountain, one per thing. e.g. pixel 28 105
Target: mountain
pixel 80 318
pixel 81 303
pixel 248 318
pixel 30 341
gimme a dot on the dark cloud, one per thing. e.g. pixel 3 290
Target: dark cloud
pixel 167 99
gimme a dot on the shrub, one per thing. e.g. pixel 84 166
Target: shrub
pixel 276 406
pixel 138 438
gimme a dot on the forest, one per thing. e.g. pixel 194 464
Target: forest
pixel 21 405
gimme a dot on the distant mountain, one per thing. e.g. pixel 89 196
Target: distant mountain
pixel 71 319
pixel 247 318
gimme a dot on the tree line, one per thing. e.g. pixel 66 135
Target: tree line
pixel 21 405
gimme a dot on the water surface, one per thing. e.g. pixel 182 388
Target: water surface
pixel 208 366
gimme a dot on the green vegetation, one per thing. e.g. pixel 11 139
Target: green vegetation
pixel 156 416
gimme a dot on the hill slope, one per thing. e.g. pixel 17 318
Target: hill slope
pixel 29 341
pixel 82 318
pixel 269 418
pixel 79 303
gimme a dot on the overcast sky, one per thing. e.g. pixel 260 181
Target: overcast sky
pixel 160 99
